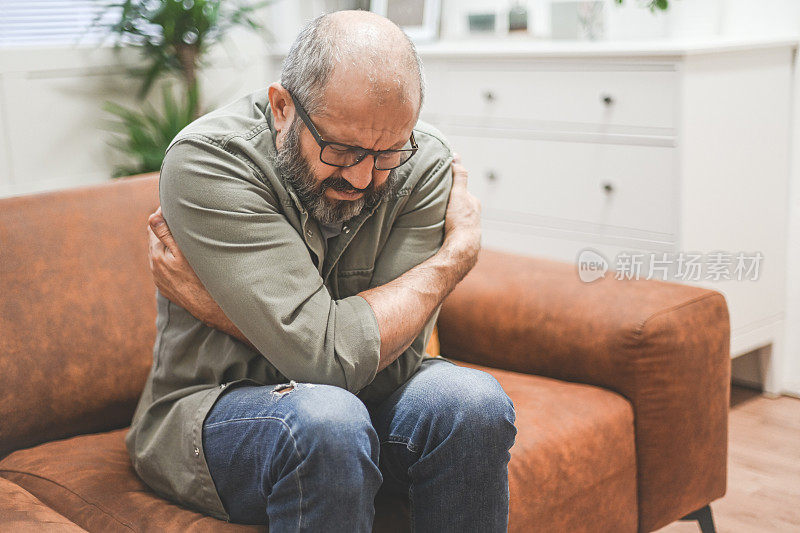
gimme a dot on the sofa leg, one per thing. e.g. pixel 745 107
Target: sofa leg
pixel 704 519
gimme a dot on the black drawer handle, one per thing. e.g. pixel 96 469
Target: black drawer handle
pixel 607 99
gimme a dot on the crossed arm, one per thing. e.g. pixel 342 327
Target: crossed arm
pixel 414 295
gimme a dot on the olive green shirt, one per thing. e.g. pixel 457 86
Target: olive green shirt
pixel 265 262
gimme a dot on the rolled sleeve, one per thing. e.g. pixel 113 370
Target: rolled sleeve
pixel 358 341
pixel 230 226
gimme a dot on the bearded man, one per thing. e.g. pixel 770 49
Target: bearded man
pixel 309 235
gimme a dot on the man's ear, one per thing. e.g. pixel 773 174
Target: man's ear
pixel 282 107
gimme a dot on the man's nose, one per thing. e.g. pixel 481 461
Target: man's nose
pixel 359 175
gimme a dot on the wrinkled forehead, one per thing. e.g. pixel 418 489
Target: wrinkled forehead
pixel 380 103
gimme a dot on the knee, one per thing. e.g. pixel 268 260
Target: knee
pixel 477 403
pixel 334 421
pixel 486 404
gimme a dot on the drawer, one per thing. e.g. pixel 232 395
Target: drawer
pixel 627 190
pixel 498 94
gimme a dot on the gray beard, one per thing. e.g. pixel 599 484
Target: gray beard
pixel 311 192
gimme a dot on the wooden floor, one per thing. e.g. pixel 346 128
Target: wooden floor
pixel 763 468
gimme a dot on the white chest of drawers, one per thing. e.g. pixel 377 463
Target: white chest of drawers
pixel 635 148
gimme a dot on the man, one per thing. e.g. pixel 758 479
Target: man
pixel 309 235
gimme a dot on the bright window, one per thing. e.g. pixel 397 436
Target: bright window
pixel 51 22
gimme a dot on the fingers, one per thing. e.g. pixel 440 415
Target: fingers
pixel 460 174
pixel 158 227
pixel 155 248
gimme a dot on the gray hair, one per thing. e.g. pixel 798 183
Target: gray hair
pixel 320 46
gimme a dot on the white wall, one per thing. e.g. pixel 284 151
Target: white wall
pixel 53 131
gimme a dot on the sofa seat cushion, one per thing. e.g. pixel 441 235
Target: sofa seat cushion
pixel 90 480
pixel 573 458
pixel 22 512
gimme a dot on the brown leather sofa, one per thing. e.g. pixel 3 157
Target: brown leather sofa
pixel 621 387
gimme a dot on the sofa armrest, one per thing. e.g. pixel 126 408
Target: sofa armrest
pixel 663 346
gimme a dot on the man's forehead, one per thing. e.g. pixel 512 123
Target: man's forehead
pixel 349 116
pixel 385 81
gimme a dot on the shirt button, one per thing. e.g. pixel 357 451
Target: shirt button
pixel 196 451
pixel 308 232
pixel 346 229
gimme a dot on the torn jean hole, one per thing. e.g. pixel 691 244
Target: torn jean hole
pixel 284 388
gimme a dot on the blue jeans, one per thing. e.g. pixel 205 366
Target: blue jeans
pixel 313 458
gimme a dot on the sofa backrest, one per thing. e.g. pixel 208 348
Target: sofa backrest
pixel 77 310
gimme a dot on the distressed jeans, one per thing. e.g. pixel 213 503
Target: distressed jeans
pixel 311 457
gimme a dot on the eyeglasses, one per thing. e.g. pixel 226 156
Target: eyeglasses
pixel 346 155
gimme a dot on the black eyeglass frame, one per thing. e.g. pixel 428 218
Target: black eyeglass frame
pixel 364 151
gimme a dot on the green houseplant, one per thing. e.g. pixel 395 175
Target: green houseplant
pixel 174 37
pixel 653 4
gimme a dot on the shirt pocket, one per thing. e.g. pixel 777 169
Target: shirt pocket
pixel 353 281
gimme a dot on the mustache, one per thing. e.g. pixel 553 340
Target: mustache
pixel 338 183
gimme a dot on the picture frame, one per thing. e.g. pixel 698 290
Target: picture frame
pixel 418 18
